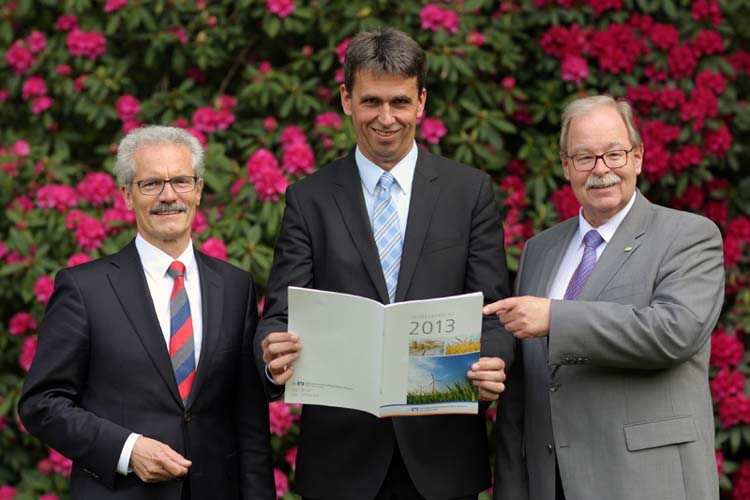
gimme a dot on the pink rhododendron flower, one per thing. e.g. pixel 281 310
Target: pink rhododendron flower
pixel 706 9
pixel 209 120
pixel 432 130
pixel 328 119
pixel 270 123
pixel 127 108
pixel 708 42
pixel 113 5
pixel 434 18
pixel 681 61
pixel 265 67
pixel 226 102
pixel 7 492
pixel 291 457
pixel 43 288
pixel 718 142
pixel 4 94
pixel 565 202
pixel 292 134
pixel 574 69
pixel 21 322
pixel 726 349
pixel 734 410
pixel 60 464
pixel 36 41
pixel 600 6
pixel 97 188
pixel 475 38
pixel 664 36
pixel 49 496
pixel 56 196
pixel 281 481
pixel 77 259
pixel 281 418
pixel 559 41
pixel 79 83
pixel 196 74
pixel 28 350
pixel 66 23
pixel 180 34
pixel 19 57
pixel 617 48
pixel 281 8
pixel 89 232
pixel 63 70
pixel 215 248
pixel 298 158
pixel 264 173
pixel 341 49
pixel 21 148
pixel 741 481
pixel 200 223
pixel 86 44
pixel 40 104
pixel 727 382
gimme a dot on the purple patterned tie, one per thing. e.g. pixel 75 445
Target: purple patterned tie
pixel 591 240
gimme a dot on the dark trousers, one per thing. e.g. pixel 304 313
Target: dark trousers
pixel 398 484
pixel 559 493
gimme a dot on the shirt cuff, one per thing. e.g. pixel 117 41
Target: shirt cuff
pixel 123 464
pixel 268 376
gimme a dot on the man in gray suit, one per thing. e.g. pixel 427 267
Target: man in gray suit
pixel 609 395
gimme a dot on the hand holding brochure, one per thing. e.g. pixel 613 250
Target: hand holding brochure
pixel 407 358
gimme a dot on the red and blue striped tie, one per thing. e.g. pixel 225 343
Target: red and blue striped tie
pixel 181 346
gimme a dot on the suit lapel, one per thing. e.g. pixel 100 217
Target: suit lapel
pixel 130 287
pixel 212 298
pixel 424 195
pixel 351 204
pixel 624 243
pixel 550 258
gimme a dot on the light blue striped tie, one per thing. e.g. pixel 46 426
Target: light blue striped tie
pixel 387 233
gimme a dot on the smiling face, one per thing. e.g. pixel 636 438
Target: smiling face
pixel 602 191
pixel 163 220
pixel 384 110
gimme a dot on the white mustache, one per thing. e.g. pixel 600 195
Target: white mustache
pixel 608 179
pixel 168 207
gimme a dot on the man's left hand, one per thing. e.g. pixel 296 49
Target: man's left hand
pixel 524 317
pixel 488 374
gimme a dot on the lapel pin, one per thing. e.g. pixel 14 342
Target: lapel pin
pixel 627 249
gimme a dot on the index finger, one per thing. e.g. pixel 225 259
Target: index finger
pixel 498 307
pixel 488 363
pixel 275 337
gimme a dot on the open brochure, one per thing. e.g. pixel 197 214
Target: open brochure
pixel 402 359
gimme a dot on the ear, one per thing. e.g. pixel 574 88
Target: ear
pixel 567 164
pixel 638 159
pixel 421 101
pixel 127 196
pixel 346 100
pixel 199 191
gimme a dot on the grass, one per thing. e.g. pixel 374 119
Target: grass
pixel 463 346
pixel 458 391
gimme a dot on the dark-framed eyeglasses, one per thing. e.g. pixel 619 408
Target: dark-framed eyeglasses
pixel 612 159
pixel 180 184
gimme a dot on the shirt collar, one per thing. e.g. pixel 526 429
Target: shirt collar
pixel 606 230
pixel 156 262
pixel 403 171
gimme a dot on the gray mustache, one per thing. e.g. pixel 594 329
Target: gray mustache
pixel 606 180
pixel 168 207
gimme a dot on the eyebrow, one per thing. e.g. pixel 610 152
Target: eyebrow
pixel 614 144
pixel 401 98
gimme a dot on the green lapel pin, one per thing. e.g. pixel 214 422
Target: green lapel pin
pixel 627 249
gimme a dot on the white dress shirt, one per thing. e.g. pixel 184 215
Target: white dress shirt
pixel 403 172
pixel 574 252
pixel 155 264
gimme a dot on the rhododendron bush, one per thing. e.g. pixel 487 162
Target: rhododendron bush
pixel 256 81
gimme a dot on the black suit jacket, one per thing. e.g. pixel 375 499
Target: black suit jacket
pixel 453 245
pixel 102 370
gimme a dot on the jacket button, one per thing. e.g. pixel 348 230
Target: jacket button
pixel 187 416
pixel 550 448
pixel 554 387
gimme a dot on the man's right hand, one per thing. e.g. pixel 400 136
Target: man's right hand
pixel 153 461
pixel 280 351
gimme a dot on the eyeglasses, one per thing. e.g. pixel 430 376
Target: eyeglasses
pixel 612 159
pixel 180 184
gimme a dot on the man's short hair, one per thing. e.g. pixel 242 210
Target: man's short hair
pixel 154 134
pixel 585 105
pixel 384 51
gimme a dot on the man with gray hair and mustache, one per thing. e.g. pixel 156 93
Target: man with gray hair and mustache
pixel 609 397
pixel 144 373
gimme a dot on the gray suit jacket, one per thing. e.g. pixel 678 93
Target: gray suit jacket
pixel 620 393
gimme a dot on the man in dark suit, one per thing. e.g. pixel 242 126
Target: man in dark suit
pixel 447 240
pixel 609 396
pixel 144 374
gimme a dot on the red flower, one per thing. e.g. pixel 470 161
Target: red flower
pixel 281 482
pixel 89 232
pixel 559 41
pixel 63 70
pixel 702 104
pixel 215 248
pixel 19 57
pixel 264 173
pixel 21 148
pixel 40 104
pixel 280 417
pixel 432 130
pixel 77 259
pixel 434 18
pixel 565 202
pixel 715 82
pixel 670 98
pixel 718 142
pixel 717 211
pixel 341 49
pixel 708 42
pixel 741 482
pixel 281 8
pixel 600 6
pixel 86 44
pixel 180 34
pixel 617 48
pixel 681 61
pixel 734 410
pixel 691 199
pixel 656 162
pixel 200 223
pixel 720 462
pixel 664 36
pixel 328 120
pixel 209 120
pixel 703 9
pixel 475 38
pixel 28 350
pixel 726 349
pixel 36 41
pixel 270 123
pixel 291 457
pixel 66 23
pixel 298 158
pixel 727 382
pixel 113 5
pixel 292 134
pixel 689 155
pixel 732 251
pixel 127 108
pixel 59 197
pixel 60 464
pixel 97 188
pixel 20 323
pixel 740 228
pixel 574 68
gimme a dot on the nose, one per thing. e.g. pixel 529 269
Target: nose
pixel 599 166
pixel 386 116
pixel 168 193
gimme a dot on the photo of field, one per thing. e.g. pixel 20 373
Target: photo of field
pixel 434 379
pixel 462 345
pixel 427 347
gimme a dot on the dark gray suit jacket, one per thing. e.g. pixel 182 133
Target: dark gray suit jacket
pixel 621 393
pixel 453 245
pixel 102 370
